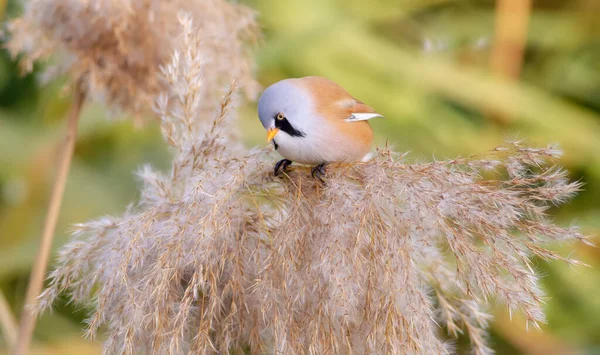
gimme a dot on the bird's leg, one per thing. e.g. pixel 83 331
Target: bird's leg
pixel 319 171
pixel 281 166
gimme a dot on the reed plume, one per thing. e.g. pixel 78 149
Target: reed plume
pixel 218 255
pixel 112 52
pixel 116 48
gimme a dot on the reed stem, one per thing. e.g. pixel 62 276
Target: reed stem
pixel 506 61
pixel 36 280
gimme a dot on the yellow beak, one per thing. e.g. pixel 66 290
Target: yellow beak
pixel 271 133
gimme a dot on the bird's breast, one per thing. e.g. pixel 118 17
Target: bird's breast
pixel 323 146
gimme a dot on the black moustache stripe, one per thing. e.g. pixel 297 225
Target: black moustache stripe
pixel 285 126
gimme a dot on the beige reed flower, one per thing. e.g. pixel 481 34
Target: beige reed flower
pixel 116 47
pixel 220 256
pixel 113 50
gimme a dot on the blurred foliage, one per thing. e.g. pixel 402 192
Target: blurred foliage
pixel 421 63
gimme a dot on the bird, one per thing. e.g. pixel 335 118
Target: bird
pixel 314 121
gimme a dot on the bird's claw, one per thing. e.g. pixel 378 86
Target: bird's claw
pixel 318 172
pixel 281 166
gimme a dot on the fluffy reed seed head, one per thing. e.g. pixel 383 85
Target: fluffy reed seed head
pixel 221 256
pixel 116 48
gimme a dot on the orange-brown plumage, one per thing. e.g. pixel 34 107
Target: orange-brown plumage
pixel 335 104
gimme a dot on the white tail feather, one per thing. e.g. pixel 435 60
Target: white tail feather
pixel 362 117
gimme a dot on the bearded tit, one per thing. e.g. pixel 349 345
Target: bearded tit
pixel 314 121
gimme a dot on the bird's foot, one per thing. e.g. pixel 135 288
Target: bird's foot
pixel 319 172
pixel 281 166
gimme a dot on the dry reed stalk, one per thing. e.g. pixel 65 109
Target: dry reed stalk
pixel 220 256
pixel 38 272
pixel 510 40
pixel 8 324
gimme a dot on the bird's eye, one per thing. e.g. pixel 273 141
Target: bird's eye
pixel 280 116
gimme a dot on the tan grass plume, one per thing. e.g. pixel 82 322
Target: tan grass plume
pixel 116 48
pixel 112 51
pixel 220 256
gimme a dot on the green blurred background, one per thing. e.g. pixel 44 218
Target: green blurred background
pixel 422 63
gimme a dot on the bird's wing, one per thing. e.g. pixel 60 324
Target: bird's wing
pixel 334 102
pixel 359 111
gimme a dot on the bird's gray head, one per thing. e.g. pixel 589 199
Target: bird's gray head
pixel 285 106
